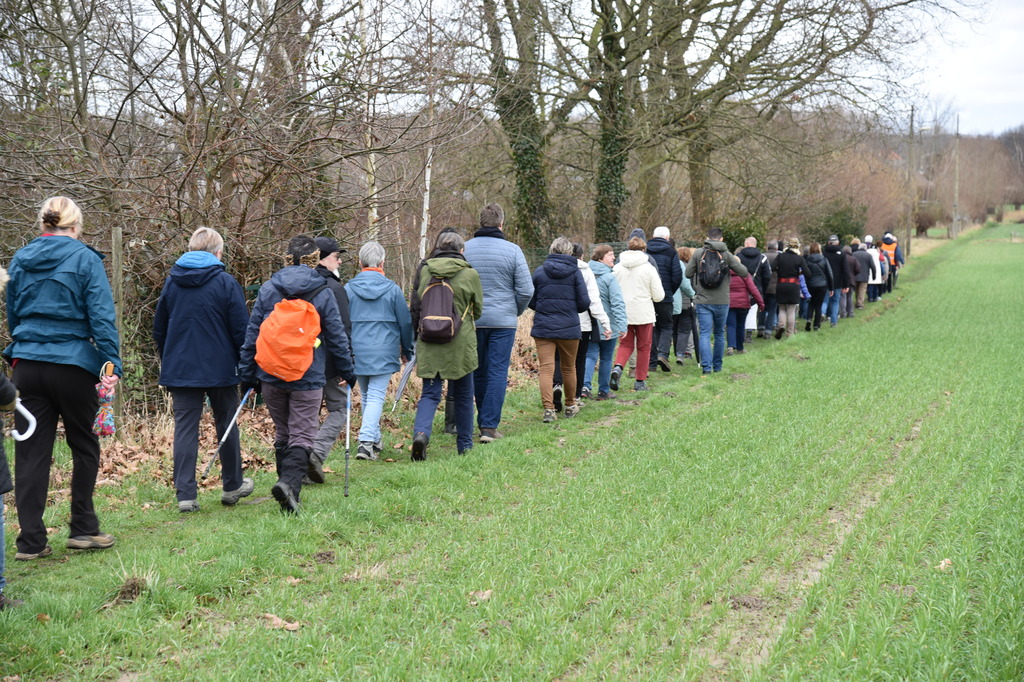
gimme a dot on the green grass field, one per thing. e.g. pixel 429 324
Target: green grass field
pixel 844 505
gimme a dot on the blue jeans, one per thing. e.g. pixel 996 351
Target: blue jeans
pixel 374 387
pixel 832 305
pixel 712 318
pixel 736 327
pixel 462 392
pixel 605 349
pixel 771 312
pixel 490 379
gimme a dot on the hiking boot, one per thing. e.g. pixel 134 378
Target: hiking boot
pixel 315 469
pixel 613 382
pixel 285 497
pixel 556 397
pixel 741 351
pixel 188 506
pixel 549 416
pixel 807 327
pixel 98 541
pixel 663 363
pixel 466 451
pixel 679 360
pixel 631 372
pixel 306 480
pixel 640 385
pixel 605 395
pixel 29 556
pixel 490 435
pixel 365 452
pixel 8 603
pixel 585 393
pixel 779 331
pixel 572 410
pixel 231 497
pixel 419 446
pixel 730 350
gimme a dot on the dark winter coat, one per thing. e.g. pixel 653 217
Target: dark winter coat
pixel 200 324
pixel 332 357
pixel 852 269
pixel 666 260
pixel 819 274
pixel 7 395
pixel 337 288
pixel 559 296
pixel 60 307
pixel 758 266
pixel 867 264
pixel 837 262
pixel 789 265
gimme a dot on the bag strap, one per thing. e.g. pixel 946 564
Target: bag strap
pixel 308 297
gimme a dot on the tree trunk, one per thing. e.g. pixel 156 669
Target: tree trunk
pixel 702 192
pixel 532 216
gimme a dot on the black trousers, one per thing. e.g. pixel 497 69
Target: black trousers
pixel 661 341
pixel 188 411
pixel 49 391
pixel 817 298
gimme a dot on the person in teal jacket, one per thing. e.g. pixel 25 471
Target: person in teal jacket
pixel 60 312
pixel 601 262
pixel 381 335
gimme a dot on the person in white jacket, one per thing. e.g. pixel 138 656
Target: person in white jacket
pixel 875 279
pixel 596 312
pixel 641 287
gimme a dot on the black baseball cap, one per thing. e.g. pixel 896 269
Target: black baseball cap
pixel 327 246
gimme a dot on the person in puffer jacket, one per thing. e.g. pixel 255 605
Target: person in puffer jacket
pixel 199 328
pixel 819 282
pixel 641 287
pixel 294 405
pixel 741 291
pixel 601 263
pixel 559 296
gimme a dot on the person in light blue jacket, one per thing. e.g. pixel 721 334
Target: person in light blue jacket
pixel 381 334
pixel 508 287
pixel 601 263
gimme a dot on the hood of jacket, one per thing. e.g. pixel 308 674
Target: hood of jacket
pixel 815 258
pixel 196 268
pixel 888 240
pixel 599 268
pixel 43 254
pixel 750 252
pixel 716 245
pixel 633 259
pixel 560 265
pixel 369 285
pixel 445 267
pixel 637 232
pixel 296 280
pixel 833 248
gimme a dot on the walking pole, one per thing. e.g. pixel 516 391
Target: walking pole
pixel 348 432
pixel 227 432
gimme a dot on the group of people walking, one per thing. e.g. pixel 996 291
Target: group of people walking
pixel 311 337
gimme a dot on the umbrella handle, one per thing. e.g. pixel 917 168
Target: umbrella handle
pixel 29 417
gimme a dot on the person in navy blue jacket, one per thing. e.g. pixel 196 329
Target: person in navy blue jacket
pixel 199 328
pixel 559 296
pixel 295 405
pixel 60 312
pixel 671 274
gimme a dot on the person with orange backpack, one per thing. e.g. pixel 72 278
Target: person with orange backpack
pixel 295 333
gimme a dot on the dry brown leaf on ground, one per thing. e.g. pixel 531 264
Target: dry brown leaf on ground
pixel 479 596
pixel 944 564
pixel 276 623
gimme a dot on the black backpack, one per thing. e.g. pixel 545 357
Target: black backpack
pixel 711 270
pixel 439 319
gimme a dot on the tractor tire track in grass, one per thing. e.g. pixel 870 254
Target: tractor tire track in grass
pixel 757 618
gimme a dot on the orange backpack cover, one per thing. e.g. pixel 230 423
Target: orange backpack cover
pixel 287 339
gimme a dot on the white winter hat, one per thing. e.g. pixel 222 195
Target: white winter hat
pixel 868 239
pixel 661 232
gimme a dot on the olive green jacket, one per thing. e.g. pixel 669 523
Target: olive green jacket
pixel 457 358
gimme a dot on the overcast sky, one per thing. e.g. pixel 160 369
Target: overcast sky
pixel 980 72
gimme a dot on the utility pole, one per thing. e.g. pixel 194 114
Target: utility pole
pixel 956 181
pixel 911 187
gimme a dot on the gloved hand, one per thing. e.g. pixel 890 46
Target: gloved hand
pixel 255 385
pixel 9 407
pixel 350 379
